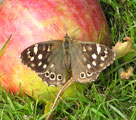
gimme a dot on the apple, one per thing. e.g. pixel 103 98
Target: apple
pixel 33 21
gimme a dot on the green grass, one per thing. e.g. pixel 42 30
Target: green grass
pixel 15 107
pixel 108 98
pixel 4 46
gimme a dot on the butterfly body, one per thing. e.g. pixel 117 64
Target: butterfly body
pixel 52 60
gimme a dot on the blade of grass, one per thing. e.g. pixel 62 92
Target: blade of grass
pixel 119 112
pixel 98 113
pixel 4 46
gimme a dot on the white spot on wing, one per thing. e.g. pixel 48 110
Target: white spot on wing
pixel 28 52
pixel 94 63
pixel 49 48
pixel 52 65
pixel 32 58
pixel 40 56
pixel 102 58
pixel 102 64
pixel 44 66
pixel 89 48
pixel 98 48
pixel 84 49
pixel 40 63
pixel 36 49
pixel 94 56
pixel 88 66
pixel 106 52
pixel 32 65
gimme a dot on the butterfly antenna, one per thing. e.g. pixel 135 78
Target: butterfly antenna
pixel 75 31
pixel 58 28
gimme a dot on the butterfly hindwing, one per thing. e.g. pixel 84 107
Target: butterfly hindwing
pixel 88 60
pixel 56 71
pixel 46 59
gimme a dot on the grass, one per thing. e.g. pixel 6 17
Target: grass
pixel 4 46
pixel 108 98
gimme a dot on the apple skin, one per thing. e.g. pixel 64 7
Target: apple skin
pixel 33 21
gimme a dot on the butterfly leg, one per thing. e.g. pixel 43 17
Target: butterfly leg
pixel 61 91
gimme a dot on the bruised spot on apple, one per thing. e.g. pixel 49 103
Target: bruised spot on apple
pixel 31 22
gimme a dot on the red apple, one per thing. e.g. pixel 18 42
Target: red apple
pixel 32 21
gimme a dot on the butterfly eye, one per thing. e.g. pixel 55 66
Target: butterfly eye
pixel 82 75
pixel 47 73
pixel 52 76
pixel 31 54
pixel 59 77
pixel 103 54
pixel 89 73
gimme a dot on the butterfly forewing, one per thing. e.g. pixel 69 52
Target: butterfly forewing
pixel 37 55
pixel 46 59
pixel 88 60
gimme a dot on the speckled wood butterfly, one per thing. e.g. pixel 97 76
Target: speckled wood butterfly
pixel 52 60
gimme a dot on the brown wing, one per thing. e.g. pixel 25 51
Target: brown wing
pixel 88 60
pixel 46 59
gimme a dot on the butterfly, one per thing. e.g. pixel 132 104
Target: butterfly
pixel 52 60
